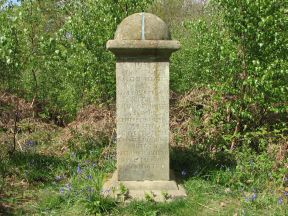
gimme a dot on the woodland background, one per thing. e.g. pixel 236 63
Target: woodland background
pixel 229 104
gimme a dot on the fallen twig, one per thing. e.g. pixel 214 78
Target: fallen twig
pixel 207 207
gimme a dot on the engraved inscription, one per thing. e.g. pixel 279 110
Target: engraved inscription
pixel 142 120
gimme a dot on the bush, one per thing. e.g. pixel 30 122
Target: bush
pixel 237 49
pixel 53 53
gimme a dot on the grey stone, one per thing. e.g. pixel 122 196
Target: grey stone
pixel 142 82
pixel 142 120
pixel 131 28
pixel 148 50
pixel 159 191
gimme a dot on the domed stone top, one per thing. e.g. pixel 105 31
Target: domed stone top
pixel 142 26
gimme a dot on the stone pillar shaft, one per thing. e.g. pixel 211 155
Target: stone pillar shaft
pixel 142 80
pixel 142 120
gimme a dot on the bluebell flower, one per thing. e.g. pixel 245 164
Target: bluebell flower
pixel 254 196
pixel 89 189
pixel 280 201
pixel 183 173
pixel 79 169
pixel 61 190
pixel 30 143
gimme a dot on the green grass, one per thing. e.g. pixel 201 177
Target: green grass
pixel 205 198
pixel 40 183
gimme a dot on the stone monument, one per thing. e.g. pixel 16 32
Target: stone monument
pixel 142 47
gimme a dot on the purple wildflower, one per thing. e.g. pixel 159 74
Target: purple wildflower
pixel 254 196
pixel 280 201
pixel 61 190
pixel 79 171
pixel 285 193
pixel 30 143
pixel 183 173
pixel 89 189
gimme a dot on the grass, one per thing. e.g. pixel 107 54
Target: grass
pixel 39 182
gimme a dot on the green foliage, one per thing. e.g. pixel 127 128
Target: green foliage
pixel 237 49
pixel 34 167
pixel 149 196
pixel 86 182
pixel 9 48
pixel 208 55
pixel 252 171
pixel 70 183
pixel 50 200
pixel 85 187
pixel 233 145
pixel 53 53
pixel 123 190
pixel 259 85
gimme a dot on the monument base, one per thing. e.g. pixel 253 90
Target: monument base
pixel 158 191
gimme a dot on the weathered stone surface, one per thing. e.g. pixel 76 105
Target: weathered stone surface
pixel 148 49
pixel 142 120
pixel 131 28
pixel 142 81
pixel 159 191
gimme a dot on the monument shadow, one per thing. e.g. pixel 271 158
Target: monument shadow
pixel 189 162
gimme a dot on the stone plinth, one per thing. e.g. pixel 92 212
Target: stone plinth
pixel 158 190
pixel 142 47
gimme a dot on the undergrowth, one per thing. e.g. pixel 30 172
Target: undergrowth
pixel 223 182
pixel 228 120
